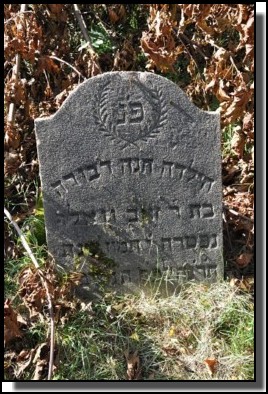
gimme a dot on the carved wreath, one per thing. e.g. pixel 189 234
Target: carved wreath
pixel 149 130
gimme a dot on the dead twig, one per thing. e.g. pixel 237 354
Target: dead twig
pixel 238 214
pixel 67 64
pixel 211 42
pixel 82 25
pixel 227 230
pixel 15 76
pixel 182 38
pixel 44 281
pixel 191 53
pixel 83 28
pixel 17 14
pixel 193 44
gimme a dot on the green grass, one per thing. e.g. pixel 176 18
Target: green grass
pixel 33 230
pixel 173 333
pixel 199 323
pixel 227 135
pixel 11 270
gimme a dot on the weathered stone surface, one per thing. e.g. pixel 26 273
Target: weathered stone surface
pixel 131 170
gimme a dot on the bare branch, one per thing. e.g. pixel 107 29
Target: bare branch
pixel 17 14
pixel 67 64
pixel 83 28
pixel 238 214
pixel 227 229
pixel 231 59
pixel 194 44
pixel 15 76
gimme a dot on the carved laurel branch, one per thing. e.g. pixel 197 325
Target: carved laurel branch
pixel 101 113
pixel 148 131
pixel 161 110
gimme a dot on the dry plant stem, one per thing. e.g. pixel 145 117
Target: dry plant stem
pixel 44 281
pixel 67 64
pixel 238 214
pixel 181 38
pixel 15 76
pixel 83 28
pixel 191 42
pixel 231 59
pixel 234 65
pixel 19 13
pixel 106 28
pixel 194 45
pixel 227 229
pixel 82 25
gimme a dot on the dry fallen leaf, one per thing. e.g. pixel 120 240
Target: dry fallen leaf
pixel 41 361
pixel 11 325
pixel 32 291
pixel 244 259
pixel 221 93
pixel 211 364
pixel 171 351
pixel 248 124
pixel 12 139
pixel 113 15
pixel 234 282
pixel 133 365
pixel 23 360
pixel 244 284
pixel 238 141
pixel 57 12
pixel 240 100
pixel 159 43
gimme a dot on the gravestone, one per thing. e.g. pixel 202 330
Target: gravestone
pixel 131 179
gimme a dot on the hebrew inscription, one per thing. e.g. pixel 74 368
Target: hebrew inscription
pixel 129 164
pixel 123 167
